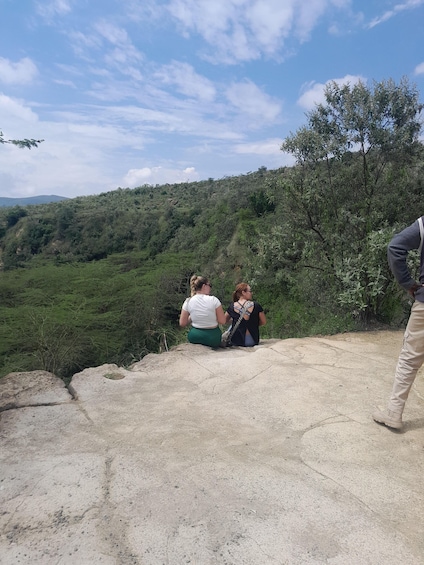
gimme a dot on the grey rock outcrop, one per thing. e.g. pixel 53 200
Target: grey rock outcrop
pixel 230 457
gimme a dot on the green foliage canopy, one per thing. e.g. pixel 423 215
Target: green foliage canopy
pixel 22 143
pixel 352 167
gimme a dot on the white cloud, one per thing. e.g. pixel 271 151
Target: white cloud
pixel 112 33
pixel 123 54
pixel 114 44
pixel 22 72
pixel 80 42
pixel 149 11
pixel 249 99
pixel 14 112
pixel 266 147
pixel 202 110
pixel 408 5
pixel 187 81
pixel 67 83
pixel 55 7
pixel 158 175
pixel 419 69
pixel 313 92
pixel 70 162
pixel 270 21
pixel 268 150
pixel 243 30
pixel 136 177
pixel 78 155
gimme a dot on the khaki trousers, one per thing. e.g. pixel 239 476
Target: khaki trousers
pixel 410 359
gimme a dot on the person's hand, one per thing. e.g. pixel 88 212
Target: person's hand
pixel 414 289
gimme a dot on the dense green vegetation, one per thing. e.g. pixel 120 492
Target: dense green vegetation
pixel 101 279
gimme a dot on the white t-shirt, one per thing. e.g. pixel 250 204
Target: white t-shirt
pixel 202 310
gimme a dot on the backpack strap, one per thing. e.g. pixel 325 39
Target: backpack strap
pixel 420 223
pixel 243 311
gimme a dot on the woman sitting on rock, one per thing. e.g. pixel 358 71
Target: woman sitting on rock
pixel 204 312
pixel 247 333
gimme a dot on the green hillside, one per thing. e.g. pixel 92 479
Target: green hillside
pixel 101 279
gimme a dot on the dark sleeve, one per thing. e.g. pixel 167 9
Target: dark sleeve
pixel 397 252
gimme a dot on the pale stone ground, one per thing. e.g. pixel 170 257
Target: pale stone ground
pixel 263 456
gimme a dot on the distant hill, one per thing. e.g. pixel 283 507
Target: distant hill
pixel 30 200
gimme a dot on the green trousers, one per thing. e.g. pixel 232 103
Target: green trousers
pixel 210 337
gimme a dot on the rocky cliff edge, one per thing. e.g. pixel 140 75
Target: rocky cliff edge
pixel 236 456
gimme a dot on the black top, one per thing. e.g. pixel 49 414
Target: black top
pixel 252 324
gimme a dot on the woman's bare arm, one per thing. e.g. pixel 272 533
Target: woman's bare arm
pixel 184 318
pixel 220 316
pixel 262 318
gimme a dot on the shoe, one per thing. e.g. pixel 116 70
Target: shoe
pixel 388 418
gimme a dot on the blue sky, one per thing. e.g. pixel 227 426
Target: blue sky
pixel 133 92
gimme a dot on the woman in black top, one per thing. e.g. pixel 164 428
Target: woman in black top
pixel 247 334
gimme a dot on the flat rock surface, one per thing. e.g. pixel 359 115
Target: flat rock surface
pixel 236 456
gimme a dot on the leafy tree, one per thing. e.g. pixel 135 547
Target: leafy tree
pixel 14 214
pixel 351 159
pixel 22 143
pixel 261 203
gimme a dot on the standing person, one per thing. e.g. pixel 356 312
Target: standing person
pixel 204 312
pixel 411 356
pixel 247 333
